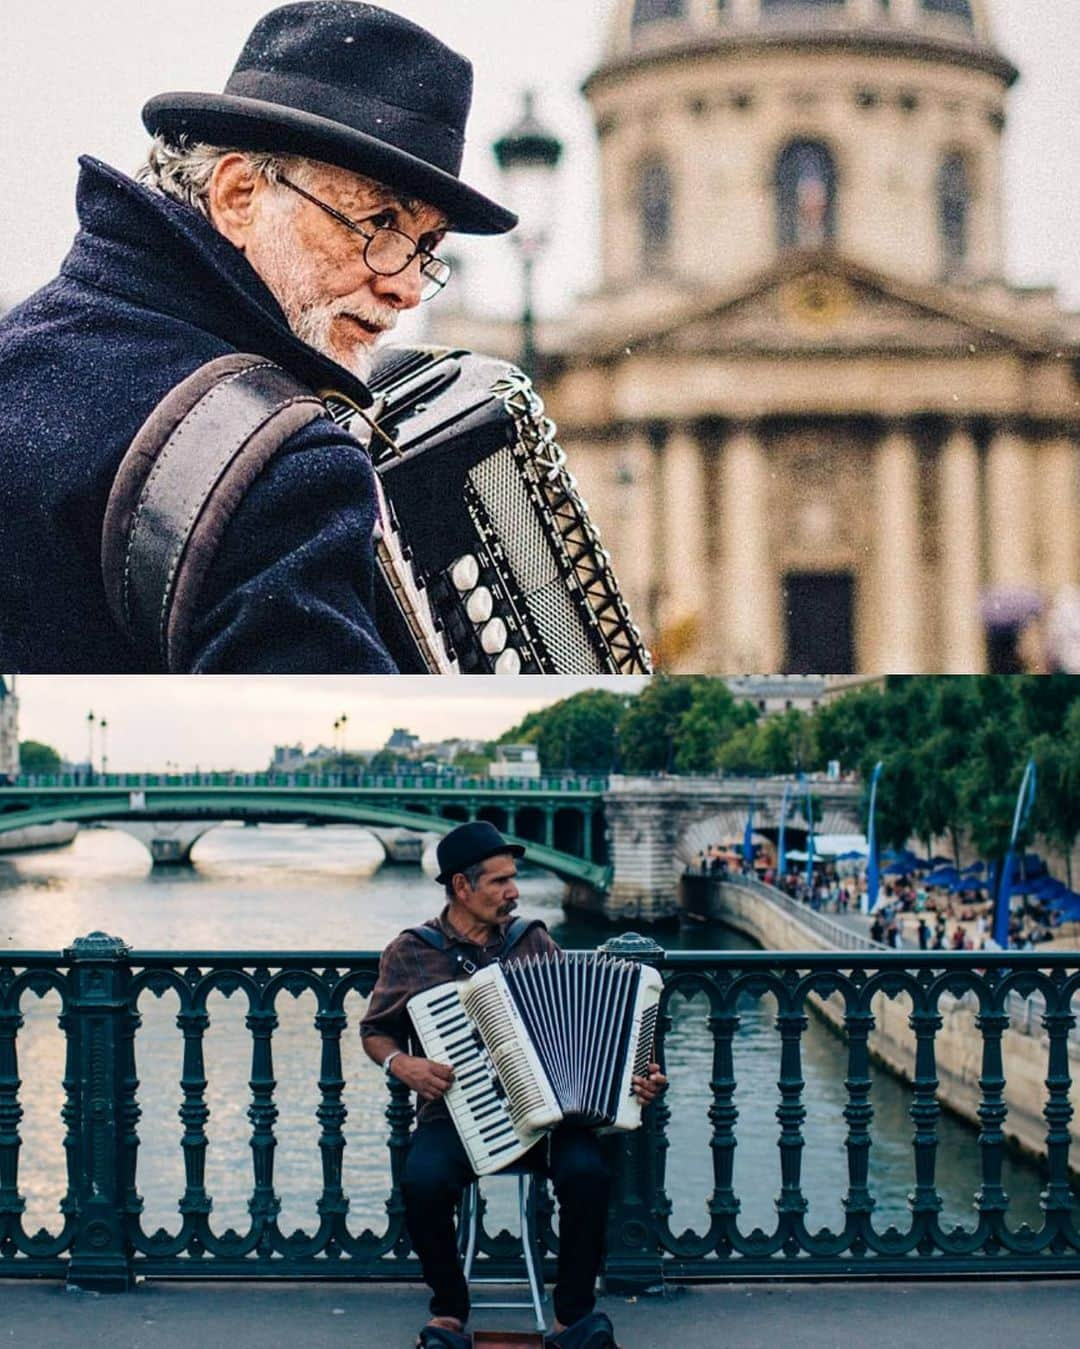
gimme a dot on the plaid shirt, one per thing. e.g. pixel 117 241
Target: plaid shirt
pixel 409 966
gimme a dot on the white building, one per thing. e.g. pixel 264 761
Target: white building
pixel 515 761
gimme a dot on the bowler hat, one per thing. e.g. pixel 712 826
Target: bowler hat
pixel 468 844
pixel 352 85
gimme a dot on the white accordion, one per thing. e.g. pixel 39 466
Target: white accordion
pixel 537 1041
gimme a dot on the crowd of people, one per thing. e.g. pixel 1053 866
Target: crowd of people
pixel 907 912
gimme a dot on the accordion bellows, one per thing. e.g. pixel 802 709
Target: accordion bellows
pixel 537 1041
pixel 489 559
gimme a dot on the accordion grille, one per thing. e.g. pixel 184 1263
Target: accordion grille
pixel 546 587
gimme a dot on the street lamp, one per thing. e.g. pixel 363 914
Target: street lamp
pixel 528 155
pixel 341 763
pixel 90 719
pixel 104 725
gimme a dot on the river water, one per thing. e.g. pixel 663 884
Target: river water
pixel 286 887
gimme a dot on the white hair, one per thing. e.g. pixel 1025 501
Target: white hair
pixel 183 170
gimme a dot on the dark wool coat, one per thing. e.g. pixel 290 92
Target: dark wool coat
pixel 149 292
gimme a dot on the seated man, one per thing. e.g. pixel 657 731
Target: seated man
pixel 476 865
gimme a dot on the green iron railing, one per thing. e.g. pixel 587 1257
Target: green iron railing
pixel 100 1241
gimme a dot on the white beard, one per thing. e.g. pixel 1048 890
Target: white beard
pixel 287 272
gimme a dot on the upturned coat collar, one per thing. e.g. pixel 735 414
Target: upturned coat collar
pixel 158 253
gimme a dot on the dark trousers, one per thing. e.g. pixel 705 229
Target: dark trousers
pixel 436 1172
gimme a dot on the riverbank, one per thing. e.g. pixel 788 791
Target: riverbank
pixel 994 1314
pixel 957 1044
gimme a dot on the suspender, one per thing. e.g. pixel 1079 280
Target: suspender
pixel 178 486
pixel 514 933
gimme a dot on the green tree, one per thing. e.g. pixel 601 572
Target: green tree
pixel 579 734
pixel 472 764
pixel 1057 797
pixel 648 731
pixel 710 720
pixel 385 761
pixel 34 757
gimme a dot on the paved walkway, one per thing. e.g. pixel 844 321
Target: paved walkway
pixel 992 1314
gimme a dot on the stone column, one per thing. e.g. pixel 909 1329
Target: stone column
pixel 685 610
pixel 748 599
pixel 898 575
pixel 962 639
pixel 1010 513
pixel 1058 500
pixel 866 10
pixel 745 12
pixel 905 12
pixel 632 539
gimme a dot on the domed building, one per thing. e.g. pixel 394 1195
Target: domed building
pixel 818 429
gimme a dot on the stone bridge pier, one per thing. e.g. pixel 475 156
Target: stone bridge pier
pixel 169 842
pixel 657 825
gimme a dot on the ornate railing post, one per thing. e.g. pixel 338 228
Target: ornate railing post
pixel 11 1203
pixel 633 1248
pixel 101 1026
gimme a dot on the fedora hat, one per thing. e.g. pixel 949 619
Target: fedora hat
pixel 468 844
pixel 352 85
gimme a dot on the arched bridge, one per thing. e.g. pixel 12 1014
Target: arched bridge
pixel 622 843
pixel 561 823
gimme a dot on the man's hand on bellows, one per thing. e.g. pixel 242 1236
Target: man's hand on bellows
pixel 648 1088
pixel 424 1076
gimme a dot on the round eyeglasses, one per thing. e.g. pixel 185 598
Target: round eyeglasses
pixel 387 251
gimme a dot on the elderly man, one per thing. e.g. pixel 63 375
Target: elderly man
pixel 292 218
pixel 475 929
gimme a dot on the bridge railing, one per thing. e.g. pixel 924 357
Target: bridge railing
pixel 322 781
pixel 101 1239
pixel 836 934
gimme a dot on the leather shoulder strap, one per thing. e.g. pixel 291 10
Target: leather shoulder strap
pixel 178 486
pixel 514 933
pixel 430 935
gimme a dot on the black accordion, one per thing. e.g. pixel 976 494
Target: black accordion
pixel 488 559
pixel 536 1041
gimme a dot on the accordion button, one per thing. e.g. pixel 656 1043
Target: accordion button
pixel 465 572
pixel 479 606
pixel 509 663
pixel 493 636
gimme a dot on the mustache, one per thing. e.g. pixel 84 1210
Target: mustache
pixel 381 317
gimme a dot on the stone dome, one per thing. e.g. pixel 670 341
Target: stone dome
pixel 642 27
pixel 872 127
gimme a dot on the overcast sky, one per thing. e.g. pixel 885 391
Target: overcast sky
pixel 234 721
pixel 73 77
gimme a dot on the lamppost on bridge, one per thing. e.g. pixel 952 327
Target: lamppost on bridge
pixel 90 721
pixel 528 155
pixel 104 726
pixel 343 721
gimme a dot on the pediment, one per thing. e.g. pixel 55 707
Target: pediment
pixel 828 305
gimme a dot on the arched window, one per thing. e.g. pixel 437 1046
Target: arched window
pixel 961 8
pixel 646 11
pixel 654 212
pixel 954 207
pixel 805 195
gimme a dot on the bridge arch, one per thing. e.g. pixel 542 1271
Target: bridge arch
pixel 274 804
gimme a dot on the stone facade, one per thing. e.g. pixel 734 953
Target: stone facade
pixel 9 730
pixel 818 429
